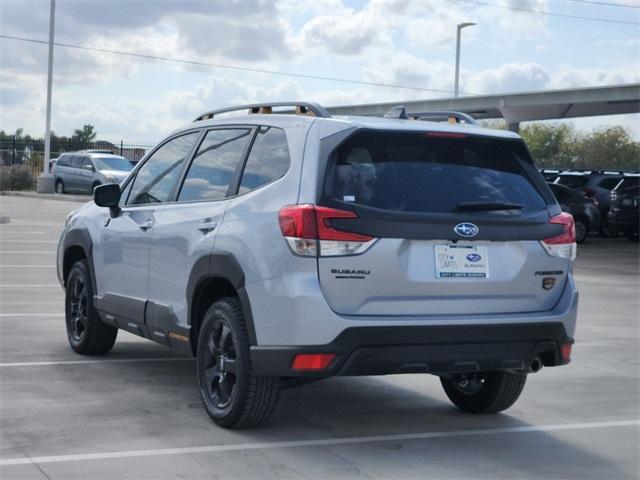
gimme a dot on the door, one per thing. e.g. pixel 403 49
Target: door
pixel 74 173
pixel 125 240
pixel 457 221
pixel 185 231
pixel 86 175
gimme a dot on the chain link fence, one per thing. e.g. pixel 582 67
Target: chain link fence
pixel 21 160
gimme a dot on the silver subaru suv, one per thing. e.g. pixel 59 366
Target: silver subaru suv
pixel 285 247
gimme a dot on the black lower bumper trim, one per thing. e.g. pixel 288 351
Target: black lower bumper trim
pixel 426 349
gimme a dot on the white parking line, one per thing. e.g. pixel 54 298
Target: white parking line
pixel 90 362
pixel 26 252
pixel 322 442
pixel 28 241
pixel 28 266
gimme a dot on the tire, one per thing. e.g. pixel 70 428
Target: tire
pixel 485 392
pixel 632 235
pixel 59 186
pixel 582 231
pixel 87 334
pixel 246 399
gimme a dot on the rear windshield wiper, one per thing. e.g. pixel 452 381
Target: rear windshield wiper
pixel 486 206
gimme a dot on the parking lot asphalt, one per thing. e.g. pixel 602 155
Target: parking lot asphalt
pixel 136 413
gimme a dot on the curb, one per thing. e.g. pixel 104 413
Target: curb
pixel 48 196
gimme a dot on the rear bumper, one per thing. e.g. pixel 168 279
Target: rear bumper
pixel 424 349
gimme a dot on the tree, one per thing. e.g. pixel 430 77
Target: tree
pixel 84 135
pixel 550 145
pixel 607 148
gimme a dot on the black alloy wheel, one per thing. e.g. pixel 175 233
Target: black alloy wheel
pixel 219 369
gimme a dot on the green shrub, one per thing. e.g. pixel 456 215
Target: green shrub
pixel 16 177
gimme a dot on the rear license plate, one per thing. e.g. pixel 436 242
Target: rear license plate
pixel 461 261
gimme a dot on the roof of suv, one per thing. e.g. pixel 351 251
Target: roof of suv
pixel 291 120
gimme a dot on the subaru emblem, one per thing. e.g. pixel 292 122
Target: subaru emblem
pixel 474 257
pixel 466 230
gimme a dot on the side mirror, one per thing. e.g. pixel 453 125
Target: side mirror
pixel 89 167
pixel 108 195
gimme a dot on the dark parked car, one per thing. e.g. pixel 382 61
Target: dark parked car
pixel 596 185
pixel 625 209
pixel 585 213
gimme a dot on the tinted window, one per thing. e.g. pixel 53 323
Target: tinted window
pixel 572 181
pixel 157 177
pixel 559 192
pixel 268 160
pixel 113 163
pixel 215 164
pixel 86 164
pixel 63 161
pixel 628 182
pixel 76 161
pixel 609 183
pixel 422 173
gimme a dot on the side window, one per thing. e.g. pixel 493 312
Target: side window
pixel 86 164
pixel 560 194
pixel 63 161
pixel 609 183
pixel 268 160
pixel 157 177
pixel 214 165
pixel 76 161
pixel 125 194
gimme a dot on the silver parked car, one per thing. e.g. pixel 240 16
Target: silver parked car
pixel 82 171
pixel 291 247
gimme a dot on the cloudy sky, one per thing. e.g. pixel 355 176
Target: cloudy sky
pixel 401 43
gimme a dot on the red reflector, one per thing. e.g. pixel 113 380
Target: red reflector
pixel 445 134
pixel 312 361
pixel 569 234
pixel 565 352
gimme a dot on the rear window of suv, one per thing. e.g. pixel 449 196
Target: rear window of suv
pixel 422 172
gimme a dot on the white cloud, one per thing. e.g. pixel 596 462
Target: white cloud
pixel 512 77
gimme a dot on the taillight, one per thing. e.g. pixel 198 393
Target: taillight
pixel 309 233
pixel 563 245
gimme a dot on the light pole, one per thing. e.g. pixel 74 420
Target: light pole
pixel 457 80
pixel 45 182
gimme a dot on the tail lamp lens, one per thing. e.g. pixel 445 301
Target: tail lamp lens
pixel 563 245
pixel 308 231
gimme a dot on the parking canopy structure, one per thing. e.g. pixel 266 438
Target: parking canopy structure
pixel 521 107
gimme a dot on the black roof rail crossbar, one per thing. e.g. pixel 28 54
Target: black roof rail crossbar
pixel 400 112
pixel 301 108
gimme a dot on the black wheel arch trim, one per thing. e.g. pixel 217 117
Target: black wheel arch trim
pixel 79 238
pixel 221 265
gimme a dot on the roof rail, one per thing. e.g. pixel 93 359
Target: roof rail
pixel 400 112
pixel 300 108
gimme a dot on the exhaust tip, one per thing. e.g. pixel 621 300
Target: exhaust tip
pixel 536 365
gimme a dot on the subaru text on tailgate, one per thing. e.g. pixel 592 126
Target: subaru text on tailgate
pixel 290 247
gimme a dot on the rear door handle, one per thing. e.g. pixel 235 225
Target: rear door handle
pixel 207 226
pixel 146 225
